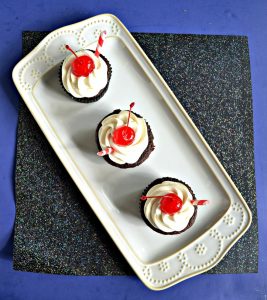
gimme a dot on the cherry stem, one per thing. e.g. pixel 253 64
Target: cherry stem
pixel 131 106
pixel 69 48
pixel 147 197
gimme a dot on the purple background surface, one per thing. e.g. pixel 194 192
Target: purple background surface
pixel 200 17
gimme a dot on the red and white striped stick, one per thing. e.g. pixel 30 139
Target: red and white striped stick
pixel 106 151
pixel 194 202
pixel 100 43
pixel 199 202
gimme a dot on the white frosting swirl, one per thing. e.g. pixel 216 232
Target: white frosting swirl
pixel 124 154
pixel 165 222
pixel 82 86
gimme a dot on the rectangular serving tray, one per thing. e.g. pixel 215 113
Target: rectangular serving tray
pixel 160 261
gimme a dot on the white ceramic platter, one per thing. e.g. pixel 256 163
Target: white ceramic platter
pixel 159 260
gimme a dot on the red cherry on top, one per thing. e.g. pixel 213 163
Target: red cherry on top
pixel 82 65
pixel 170 203
pixel 124 136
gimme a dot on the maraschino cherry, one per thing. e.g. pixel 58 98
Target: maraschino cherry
pixel 169 203
pixel 124 136
pixel 82 65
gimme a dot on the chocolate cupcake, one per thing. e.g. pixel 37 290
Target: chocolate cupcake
pixel 124 139
pixel 84 76
pixel 168 206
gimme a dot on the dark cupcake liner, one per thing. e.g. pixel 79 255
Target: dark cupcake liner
pixel 101 92
pixel 150 147
pixel 142 205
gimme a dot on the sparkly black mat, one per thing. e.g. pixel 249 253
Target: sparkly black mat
pixel 57 232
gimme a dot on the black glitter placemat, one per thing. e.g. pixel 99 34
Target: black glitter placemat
pixel 57 232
